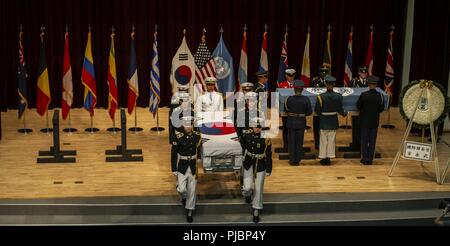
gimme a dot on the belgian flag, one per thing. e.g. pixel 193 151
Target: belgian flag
pixel 43 84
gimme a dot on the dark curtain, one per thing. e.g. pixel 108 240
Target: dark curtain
pixel 171 17
pixel 430 57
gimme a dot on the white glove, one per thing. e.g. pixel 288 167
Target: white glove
pixel 268 174
pixel 175 173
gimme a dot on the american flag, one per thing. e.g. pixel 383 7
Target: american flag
pixel 389 70
pixel 204 61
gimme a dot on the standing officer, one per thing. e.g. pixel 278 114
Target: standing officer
pixel 240 107
pixel 211 100
pixel 290 75
pixel 361 80
pixel 297 108
pixel 263 77
pixel 288 83
pixel 174 103
pixel 257 165
pixel 370 104
pixel 328 105
pixel 184 164
pixel 318 82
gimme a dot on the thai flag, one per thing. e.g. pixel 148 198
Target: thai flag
pixel 263 61
pixel 348 75
pixel 243 60
pixel 369 56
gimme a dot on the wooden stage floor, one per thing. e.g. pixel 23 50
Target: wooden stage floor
pixel 91 176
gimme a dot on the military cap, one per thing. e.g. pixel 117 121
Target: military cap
pixel 373 80
pixel 262 73
pixel 330 79
pixel 183 88
pixel 363 69
pixel 257 122
pixel 247 85
pixel 250 95
pixel 210 81
pixel 323 69
pixel 298 83
pixel 185 97
pixel 290 72
pixel 187 120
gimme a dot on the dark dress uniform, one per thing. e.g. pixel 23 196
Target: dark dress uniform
pixel 257 164
pixel 370 104
pixel 184 166
pixel 328 105
pixel 244 113
pixel 175 102
pixel 317 82
pixel 297 108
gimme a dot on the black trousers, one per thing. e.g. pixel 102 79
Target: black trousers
pixel 316 128
pixel 356 131
pixel 368 142
pixel 296 136
pixel 285 133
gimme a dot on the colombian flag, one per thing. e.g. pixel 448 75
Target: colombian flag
pixel 112 80
pixel 43 84
pixel 88 78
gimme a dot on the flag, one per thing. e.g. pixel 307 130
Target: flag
pixel 112 80
pixel 67 87
pixel 204 63
pixel 326 61
pixel 263 60
pixel 224 68
pixel 348 75
pixel 154 78
pixel 369 56
pixel 243 60
pixel 22 79
pixel 88 78
pixel 283 60
pixel 132 78
pixel 205 67
pixel 183 67
pixel 306 73
pixel 43 83
pixel 389 70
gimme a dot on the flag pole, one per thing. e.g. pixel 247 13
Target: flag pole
pixel 47 129
pixel 25 130
pixel 157 128
pixel 135 129
pixel 92 129
pixel 389 125
pixel 69 130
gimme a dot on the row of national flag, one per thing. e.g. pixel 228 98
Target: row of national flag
pixel 187 70
pixel 87 79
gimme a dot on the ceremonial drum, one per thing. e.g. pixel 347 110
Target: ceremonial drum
pixel 221 150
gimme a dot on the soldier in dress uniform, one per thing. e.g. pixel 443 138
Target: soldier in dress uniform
pixel 290 75
pixel 361 80
pixel 257 165
pixel 241 107
pixel 184 164
pixel 370 104
pixel 174 103
pixel 328 105
pixel 211 100
pixel 263 77
pixel 297 108
pixel 319 82
pixel 288 83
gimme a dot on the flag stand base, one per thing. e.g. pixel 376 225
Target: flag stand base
pixel 307 127
pixel 345 127
pixel 91 129
pixel 157 129
pixel 113 129
pixel 135 129
pixel 46 130
pixel 70 130
pixel 387 126
pixel 25 130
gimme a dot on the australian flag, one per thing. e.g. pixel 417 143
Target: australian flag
pixel 22 79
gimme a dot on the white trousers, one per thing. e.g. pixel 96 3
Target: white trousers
pixel 186 186
pixel 327 147
pixel 254 186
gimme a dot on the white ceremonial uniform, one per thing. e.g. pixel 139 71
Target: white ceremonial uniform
pixel 209 102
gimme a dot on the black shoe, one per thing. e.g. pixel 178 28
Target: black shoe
pixel 294 163
pixel 323 162
pixel 183 201
pixel 362 162
pixel 189 218
pixel 248 199
pixel 368 162
pixel 256 218
pixel 328 161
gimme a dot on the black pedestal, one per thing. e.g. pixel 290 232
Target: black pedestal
pixel 91 129
pixel 70 130
pixel 25 130
pixel 387 126
pixel 157 129
pixel 46 130
pixel 135 129
pixel 113 129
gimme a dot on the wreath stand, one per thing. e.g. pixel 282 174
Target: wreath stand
pixel 445 171
pixel 425 89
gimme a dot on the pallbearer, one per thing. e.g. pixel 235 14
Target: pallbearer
pixel 297 107
pixel 174 103
pixel 328 105
pixel 241 107
pixel 370 104
pixel 319 82
pixel 184 164
pixel 257 165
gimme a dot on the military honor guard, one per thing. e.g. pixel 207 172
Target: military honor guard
pixel 246 108
pixel 260 86
pixel 328 106
pixel 361 80
pixel 174 103
pixel 290 75
pixel 257 165
pixel 297 107
pixel 370 104
pixel 319 82
pixel 184 164
pixel 211 100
